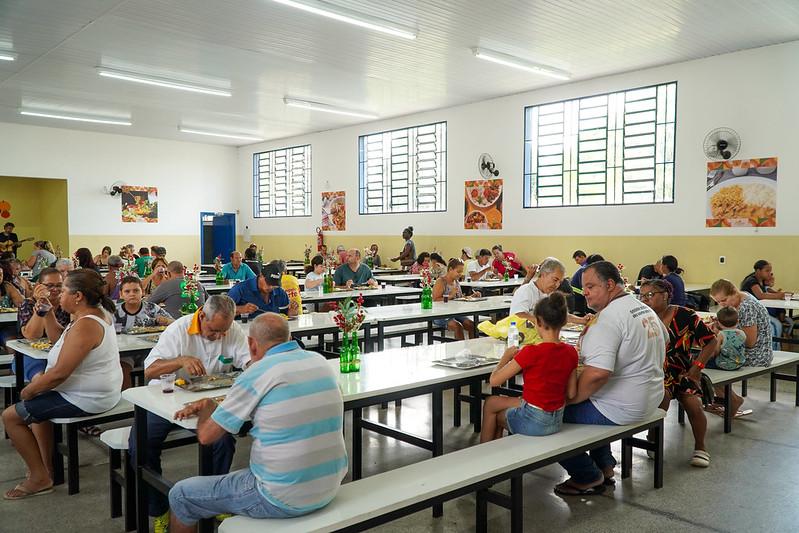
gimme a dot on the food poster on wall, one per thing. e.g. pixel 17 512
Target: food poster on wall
pixel 482 204
pixel 334 211
pixel 139 204
pixel 742 193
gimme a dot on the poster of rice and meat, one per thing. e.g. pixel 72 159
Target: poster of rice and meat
pixel 482 204
pixel 334 211
pixel 742 193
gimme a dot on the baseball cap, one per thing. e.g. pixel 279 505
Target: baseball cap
pixel 468 252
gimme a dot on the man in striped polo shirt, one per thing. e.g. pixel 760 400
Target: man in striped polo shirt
pixel 298 458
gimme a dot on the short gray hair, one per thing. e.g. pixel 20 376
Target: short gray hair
pixel 219 303
pixel 176 267
pixel 269 328
pixel 551 264
pixel 115 260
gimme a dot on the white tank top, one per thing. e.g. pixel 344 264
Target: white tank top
pixel 94 386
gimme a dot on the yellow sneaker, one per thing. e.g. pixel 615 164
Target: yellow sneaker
pixel 161 523
pixel 221 517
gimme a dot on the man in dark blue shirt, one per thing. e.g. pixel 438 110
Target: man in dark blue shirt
pixel 262 294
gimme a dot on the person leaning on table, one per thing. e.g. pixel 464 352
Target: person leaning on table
pixel 83 377
pixel 236 269
pixel 541 280
pixel 353 272
pixel 263 294
pixel 298 457
pixel 623 349
pixel 206 342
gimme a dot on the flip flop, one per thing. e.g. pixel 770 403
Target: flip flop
pixel 564 489
pixel 91 431
pixel 26 493
pixel 700 459
pixel 738 414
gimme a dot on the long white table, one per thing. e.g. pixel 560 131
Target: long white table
pixel 8 318
pixel 697 287
pixel 381 294
pixel 396 279
pixel 385 376
pixel 790 305
pixel 388 270
pixel 493 285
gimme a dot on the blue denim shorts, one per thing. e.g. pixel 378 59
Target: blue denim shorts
pixel 47 406
pixel 236 493
pixel 444 322
pixel 532 421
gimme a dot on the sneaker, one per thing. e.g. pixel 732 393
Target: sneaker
pixel 161 523
pixel 223 516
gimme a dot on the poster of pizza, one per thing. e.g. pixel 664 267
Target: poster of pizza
pixel 334 211
pixel 742 193
pixel 139 204
pixel 482 204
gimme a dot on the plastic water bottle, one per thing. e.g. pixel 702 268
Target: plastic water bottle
pixel 513 335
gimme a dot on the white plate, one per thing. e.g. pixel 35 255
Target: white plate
pixel 742 181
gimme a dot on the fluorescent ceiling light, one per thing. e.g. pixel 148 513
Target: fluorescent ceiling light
pixel 7 56
pixel 161 82
pixel 325 108
pixel 522 64
pixel 219 134
pixel 78 118
pixel 318 7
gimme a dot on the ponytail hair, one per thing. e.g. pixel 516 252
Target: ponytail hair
pixel 90 284
pixel 552 310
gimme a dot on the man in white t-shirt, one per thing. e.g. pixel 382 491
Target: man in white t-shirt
pixel 550 275
pixel 623 350
pixel 207 342
pixel 480 268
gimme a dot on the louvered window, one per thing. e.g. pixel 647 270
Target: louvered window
pixel 282 182
pixel 609 149
pixel 403 171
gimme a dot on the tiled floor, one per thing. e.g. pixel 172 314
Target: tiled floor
pixel 750 486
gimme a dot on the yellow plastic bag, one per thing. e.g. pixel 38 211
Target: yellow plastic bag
pixel 527 332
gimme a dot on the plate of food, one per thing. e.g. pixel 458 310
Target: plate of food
pixel 484 193
pixel 470 299
pixel 744 198
pixel 8 309
pixel 467 361
pixel 209 382
pixel 476 220
pixel 150 338
pixel 38 344
pixel 573 327
pixel 141 330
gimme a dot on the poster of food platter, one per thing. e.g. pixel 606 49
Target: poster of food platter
pixel 482 204
pixel 334 211
pixel 742 193
pixel 139 204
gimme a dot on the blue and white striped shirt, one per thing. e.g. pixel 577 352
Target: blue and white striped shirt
pixel 293 399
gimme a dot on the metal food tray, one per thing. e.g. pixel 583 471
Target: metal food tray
pixel 468 299
pixel 210 382
pixel 466 362
pixel 144 330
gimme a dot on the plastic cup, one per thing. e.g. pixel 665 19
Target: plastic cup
pixel 516 276
pixel 788 296
pixel 245 317
pixel 117 328
pixel 383 285
pixel 167 383
pixel 43 308
pixel 445 298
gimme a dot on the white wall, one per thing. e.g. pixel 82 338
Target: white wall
pixel 753 92
pixel 190 177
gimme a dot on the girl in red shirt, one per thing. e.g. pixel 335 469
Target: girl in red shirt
pixel 550 377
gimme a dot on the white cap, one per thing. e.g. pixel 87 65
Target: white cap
pixel 468 252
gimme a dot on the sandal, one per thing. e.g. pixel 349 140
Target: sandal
pixel 91 431
pixel 738 414
pixel 567 489
pixel 700 459
pixel 23 493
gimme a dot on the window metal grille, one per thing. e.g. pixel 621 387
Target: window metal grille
pixel 282 182
pixel 404 170
pixel 608 149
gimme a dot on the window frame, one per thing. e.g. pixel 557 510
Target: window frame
pixel 443 181
pixel 527 190
pixel 256 178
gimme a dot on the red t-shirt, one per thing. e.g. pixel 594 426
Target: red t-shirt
pixel 512 260
pixel 546 368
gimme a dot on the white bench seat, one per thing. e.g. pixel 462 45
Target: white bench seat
pixel 726 378
pixel 383 497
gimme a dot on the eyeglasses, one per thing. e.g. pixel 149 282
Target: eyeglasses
pixel 650 294
pixel 53 286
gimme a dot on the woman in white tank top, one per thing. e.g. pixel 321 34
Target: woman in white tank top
pixel 83 376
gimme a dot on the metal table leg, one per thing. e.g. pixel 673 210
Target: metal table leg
pixel 140 420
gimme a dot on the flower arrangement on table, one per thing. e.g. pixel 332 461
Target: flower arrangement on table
pixel 426 282
pixel 127 269
pixel 369 257
pixel 190 289
pixel 348 317
pixel 623 278
pixel 307 254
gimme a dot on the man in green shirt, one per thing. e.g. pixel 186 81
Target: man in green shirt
pixel 143 260
pixel 353 272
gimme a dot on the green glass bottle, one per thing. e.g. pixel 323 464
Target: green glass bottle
pixel 220 279
pixel 344 354
pixel 506 277
pixel 148 268
pixel 427 298
pixel 327 284
pixel 355 354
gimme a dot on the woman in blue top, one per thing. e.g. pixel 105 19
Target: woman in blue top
pixel 671 271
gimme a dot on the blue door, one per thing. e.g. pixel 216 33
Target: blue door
pixel 217 236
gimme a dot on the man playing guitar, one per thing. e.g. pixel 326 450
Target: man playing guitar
pixel 9 242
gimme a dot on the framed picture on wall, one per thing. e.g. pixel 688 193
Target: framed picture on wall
pixel 139 204
pixel 742 193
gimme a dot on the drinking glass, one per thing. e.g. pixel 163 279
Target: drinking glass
pixel 167 383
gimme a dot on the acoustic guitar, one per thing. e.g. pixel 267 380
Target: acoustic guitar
pixel 11 246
